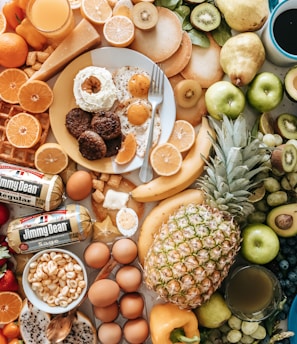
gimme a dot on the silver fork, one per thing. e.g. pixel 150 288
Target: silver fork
pixel 155 97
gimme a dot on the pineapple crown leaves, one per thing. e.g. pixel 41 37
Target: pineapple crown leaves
pixel 230 174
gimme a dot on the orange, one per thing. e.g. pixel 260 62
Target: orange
pixel 123 8
pixel 166 159
pixel 23 130
pixel 119 31
pixel 13 50
pixel 11 80
pixel 127 151
pixel 96 11
pixel 10 306
pixel 51 158
pixel 183 135
pixel 3 23
pixel 35 96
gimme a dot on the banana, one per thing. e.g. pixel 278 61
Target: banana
pixel 192 167
pixel 160 214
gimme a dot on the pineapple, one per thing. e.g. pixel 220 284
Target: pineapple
pixel 194 250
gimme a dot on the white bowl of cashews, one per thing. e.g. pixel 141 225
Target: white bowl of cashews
pixel 55 280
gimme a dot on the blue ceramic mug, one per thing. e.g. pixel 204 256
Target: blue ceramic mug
pixel 279 33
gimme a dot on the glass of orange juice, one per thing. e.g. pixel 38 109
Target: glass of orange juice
pixel 52 18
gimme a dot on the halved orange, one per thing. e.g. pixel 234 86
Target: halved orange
pixel 96 11
pixel 35 96
pixel 166 160
pixel 127 151
pixel 51 158
pixel 3 22
pixel 23 130
pixel 123 8
pixel 11 79
pixel 183 135
pixel 119 31
pixel 10 306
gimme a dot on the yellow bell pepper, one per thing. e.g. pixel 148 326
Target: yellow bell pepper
pixel 171 324
pixel 34 38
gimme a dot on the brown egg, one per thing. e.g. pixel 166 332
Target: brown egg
pixel 124 250
pixel 96 254
pixel 109 333
pixel 129 278
pixel 131 305
pixel 108 313
pixel 79 185
pixel 103 292
pixel 136 331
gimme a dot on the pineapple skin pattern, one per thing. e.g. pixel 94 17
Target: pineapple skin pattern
pixel 193 251
pixel 191 255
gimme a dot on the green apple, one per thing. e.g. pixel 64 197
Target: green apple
pixel 223 97
pixel 260 243
pixel 265 92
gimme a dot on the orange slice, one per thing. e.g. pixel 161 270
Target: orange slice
pixel 166 159
pixel 23 130
pixel 127 150
pixel 51 158
pixel 10 306
pixel 35 96
pixel 11 80
pixel 96 11
pixel 3 23
pixel 123 8
pixel 183 135
pixel 119 31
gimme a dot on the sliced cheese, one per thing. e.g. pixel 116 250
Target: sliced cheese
pixel 83 37
pixel 115 199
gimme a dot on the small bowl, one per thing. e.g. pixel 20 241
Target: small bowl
pixel 36 300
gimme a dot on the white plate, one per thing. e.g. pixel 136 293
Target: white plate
pixel 110 58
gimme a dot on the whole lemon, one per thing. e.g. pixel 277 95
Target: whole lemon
pixel 13 50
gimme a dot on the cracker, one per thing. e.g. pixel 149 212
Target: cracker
pixel 163 40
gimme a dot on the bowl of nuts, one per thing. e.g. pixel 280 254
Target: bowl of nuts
pixel 55 280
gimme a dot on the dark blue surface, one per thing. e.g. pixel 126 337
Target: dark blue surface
pixel 292 321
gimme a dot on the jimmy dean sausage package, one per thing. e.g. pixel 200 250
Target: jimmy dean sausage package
pixel 26 186
pixel 63 226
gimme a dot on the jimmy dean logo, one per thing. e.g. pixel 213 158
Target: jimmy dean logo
pixel 45 230
pixel 21 186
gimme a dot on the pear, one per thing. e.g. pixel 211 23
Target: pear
pixel 241 57
pixel 244 15
pixel 214 312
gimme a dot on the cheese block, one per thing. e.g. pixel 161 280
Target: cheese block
pixel 83 37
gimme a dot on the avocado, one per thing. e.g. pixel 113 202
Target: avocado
pixel 283 220
pixel 290 82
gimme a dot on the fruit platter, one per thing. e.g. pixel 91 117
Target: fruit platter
pixel 202 251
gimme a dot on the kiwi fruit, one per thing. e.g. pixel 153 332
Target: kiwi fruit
pixel 290 83
pixel 187 93
pixel 145 15
pixel 284 158
pixel 266 125
pixel 286 126
pixel 205 17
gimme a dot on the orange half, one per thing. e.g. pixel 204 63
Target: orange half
pixel 10 306
pixel 35 96
pixel 166 160
pixel 11 79
pixel 23 130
